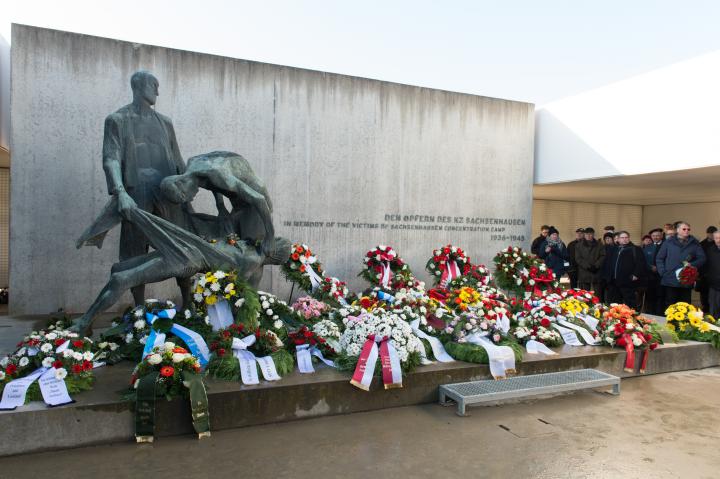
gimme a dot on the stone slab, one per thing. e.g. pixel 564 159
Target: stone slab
pixel 99 416
pixel 349 162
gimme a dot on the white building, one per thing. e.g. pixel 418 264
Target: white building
pixel 635 154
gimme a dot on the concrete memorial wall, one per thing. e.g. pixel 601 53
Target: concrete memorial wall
pixel 349 162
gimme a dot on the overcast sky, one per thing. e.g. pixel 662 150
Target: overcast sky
pixel 531 50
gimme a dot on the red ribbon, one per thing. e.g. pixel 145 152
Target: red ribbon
pixel 630 353
pixel 449 273
pixel 391 374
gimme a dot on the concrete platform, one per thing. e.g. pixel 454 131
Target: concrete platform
pixel 99 416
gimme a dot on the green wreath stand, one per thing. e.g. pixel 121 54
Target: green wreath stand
pixel 145 406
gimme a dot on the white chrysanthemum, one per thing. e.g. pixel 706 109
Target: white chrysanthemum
pixel 188 314
pixel 219 274
pixel 51 336
pixel 60 374
pixel 154 359
pixel 278 324
pixel 129 337
pixel 88 356
pixel 269 312
pixel 4 362
pixel 138 313
pixel 46 348
pixel 24 361
pixel 215 287
pixel 198 297
pixel 68 353
pixel 139 324
pixel 78 356
pixel 47 362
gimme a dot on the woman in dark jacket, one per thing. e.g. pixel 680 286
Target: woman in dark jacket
pixel 554 253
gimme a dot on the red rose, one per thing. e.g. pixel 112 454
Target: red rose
pixel 545 323
pixel 221 352
pixel 87 365
pixel 10 369
pixel 77 369
pixel 57 364
pixel 295 256
pixel 59 342
pixel 78 343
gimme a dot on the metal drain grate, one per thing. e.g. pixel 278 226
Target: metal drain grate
pixel 524 386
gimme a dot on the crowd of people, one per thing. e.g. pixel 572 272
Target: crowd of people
pixel 644 276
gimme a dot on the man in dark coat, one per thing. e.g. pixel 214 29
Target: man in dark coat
pixel 139 150
pixel 624 267
pixel 535 246
pixel 572 270
pixel 554 253
pixel 712 275
pixel 702 286
pixel 654 303
pixel 589 256
pixel 674 253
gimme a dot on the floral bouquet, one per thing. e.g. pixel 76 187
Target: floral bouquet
pixel 168 371
pixel 687 275
pixel 623 327
pixel 448 263
pixel 310 308
pixel 688 322
pixel 463 298
pixel 329 331
pixel 130 332
pixel 477 276
pixel 364 335
pixel 275 315
pixel 334 291
pixel 522 273
pixel 303 268
pixel 225 363
pixel 59 352
pixel 535 322
pixel 383 267
pixel 587 297
pixel 214 286
pixel 306 344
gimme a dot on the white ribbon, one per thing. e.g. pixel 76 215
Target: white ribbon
pixel 315 279
pixel 437 347
pixel 503 324
pixel 54 391
pixel 589 320
pixel 501 358
pixel 62 347
pixel 385 275
pixel 536 347
pixel 15 391
pixel 247 360
pixel 304 355
pixel 586 335
pixel 220 315
pixel 568 335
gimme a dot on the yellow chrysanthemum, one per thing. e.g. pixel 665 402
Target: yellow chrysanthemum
pixel 682 326
pixel 210 300
pixel 678 316
pixel 704 327
pixel 199 289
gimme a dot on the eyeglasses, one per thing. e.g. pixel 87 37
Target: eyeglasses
pixel 684 229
